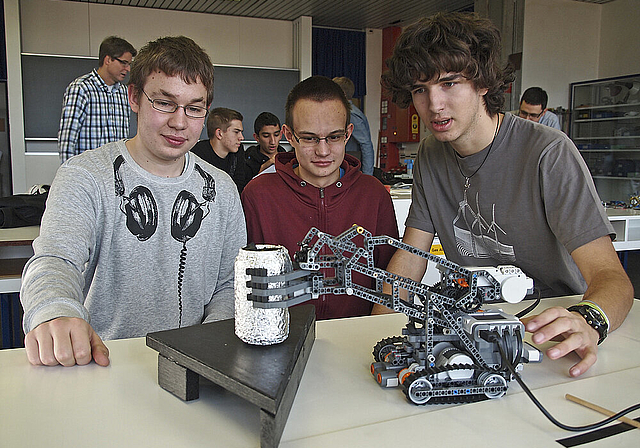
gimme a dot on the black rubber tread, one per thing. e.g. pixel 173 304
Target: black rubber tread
pixel 455 399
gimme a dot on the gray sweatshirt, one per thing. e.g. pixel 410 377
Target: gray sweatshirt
pixel 131 252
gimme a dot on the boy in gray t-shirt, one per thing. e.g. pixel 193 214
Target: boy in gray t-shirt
pixel 485 225
pixel 500 190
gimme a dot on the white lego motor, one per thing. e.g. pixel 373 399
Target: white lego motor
pixel 514 284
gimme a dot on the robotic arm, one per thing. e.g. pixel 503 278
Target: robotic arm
pixel 463 288
pixel 449 349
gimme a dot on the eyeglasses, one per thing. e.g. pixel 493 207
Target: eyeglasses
pixel 169 107
pixel 524 114
pixel 309 141
pixel 123 62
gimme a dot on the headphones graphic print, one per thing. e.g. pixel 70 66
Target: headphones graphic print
pixel 187 213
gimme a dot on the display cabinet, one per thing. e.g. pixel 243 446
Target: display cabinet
pixel 605 126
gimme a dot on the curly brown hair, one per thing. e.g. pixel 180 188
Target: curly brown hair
pixel 448 43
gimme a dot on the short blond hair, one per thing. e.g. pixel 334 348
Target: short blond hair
pixel 346 85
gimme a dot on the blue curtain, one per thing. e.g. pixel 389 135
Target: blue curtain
pixel 341 53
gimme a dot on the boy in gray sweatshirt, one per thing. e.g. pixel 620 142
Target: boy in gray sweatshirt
pixel 138 235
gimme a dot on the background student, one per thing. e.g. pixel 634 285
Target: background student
pixel 360 140
pixel 224 147
pixel 267 132
pixel 533 106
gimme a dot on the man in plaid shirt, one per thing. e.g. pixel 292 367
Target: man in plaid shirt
pixel 95 107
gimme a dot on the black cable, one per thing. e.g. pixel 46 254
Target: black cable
pixel 498 340
pixel 531 307
pixel 519 346
pixel 181 268
pixel 508 352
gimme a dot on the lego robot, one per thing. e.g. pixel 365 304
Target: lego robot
pixel 452 349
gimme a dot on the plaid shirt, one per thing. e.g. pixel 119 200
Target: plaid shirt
pixel 93 114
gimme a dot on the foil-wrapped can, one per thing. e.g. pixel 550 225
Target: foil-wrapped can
pixel 259 326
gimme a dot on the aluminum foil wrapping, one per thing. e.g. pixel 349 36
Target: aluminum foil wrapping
pixel 259 326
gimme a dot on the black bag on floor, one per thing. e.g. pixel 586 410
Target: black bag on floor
pixel 21 210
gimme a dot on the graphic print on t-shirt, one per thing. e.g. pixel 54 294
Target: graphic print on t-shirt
pixel 187 214
pixel 139 207
pixel 476 237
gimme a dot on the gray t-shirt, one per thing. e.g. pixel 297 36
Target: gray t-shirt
pixel 531 204
pixel 131 252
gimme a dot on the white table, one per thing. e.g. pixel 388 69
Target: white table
pixel 338 403
pixel 627 226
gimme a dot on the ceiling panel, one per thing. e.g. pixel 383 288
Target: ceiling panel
pixel 352 14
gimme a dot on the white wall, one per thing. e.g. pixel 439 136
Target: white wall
pixel 374 89
pixel 14 95
pixel 567 41
pixel 47 28
pixel 620 39
pixel 77 29
pixel 560 45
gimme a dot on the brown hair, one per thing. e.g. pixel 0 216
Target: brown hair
pixel 219 118
pixel 175 56
pixel 315 88
pixel 448 43
pixel 114 47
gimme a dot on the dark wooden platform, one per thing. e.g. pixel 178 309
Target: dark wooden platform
pixel 267 376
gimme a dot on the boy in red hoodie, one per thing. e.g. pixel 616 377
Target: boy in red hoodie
pixel 317 185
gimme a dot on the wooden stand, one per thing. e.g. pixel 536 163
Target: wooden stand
pixel 267 376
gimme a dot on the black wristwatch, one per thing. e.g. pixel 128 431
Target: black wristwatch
pixel 594 318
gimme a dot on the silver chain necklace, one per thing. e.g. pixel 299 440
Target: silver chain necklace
pixel 467 179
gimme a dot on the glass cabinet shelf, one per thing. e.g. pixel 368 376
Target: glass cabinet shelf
pixel 606 106
pixel 591 120
pixel 611 150
pixel 622 137
pixel 605 126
